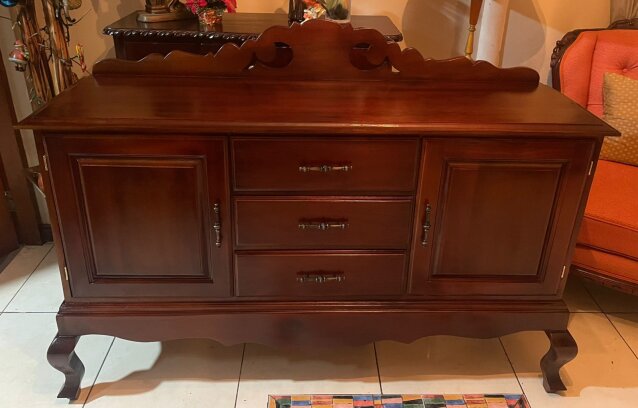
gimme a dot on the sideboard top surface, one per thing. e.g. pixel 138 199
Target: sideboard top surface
pixel 315 78
pixel 245 106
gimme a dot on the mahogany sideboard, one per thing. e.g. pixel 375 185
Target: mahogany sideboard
pixel 133 40
pixel 381 195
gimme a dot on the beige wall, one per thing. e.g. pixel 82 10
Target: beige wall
pixel 534 26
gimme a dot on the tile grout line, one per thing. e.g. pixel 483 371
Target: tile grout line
pixel 26 280
pixel 500 340
pixel 97 375
pixel 376 360
pixel 241 366
pixel 611 322
pixel 593 298
pixel 621 336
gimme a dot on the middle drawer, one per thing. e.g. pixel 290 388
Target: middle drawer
pixel 322 223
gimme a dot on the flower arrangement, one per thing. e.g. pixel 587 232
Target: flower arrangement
pixel 333 9
pixel 210 11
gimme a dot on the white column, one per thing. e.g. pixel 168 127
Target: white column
pixel 492 30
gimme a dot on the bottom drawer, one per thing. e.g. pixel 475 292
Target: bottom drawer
pixel 305 274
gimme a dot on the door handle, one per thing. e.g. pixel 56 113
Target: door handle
pixel 324 168
pixel 320 277
pixel 217 225
pixel 323 225
pixel 426 226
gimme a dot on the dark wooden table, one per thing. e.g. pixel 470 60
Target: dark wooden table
pixel 134 40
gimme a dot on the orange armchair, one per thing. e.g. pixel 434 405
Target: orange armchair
pixel 607 246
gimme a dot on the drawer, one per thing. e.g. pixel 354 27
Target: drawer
pixel 319 165
pixel 313 274
pixel 322 223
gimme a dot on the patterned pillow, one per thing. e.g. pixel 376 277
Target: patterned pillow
pixel 621 111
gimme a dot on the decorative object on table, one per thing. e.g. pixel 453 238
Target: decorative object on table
pixel 296 10
pixel 210 17
pixel 335 10
pixel 313 10
pixel 163 10
pixel 134 40
pixel 399 401
pixel 210 12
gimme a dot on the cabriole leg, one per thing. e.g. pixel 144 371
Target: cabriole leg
pixel 562 350
pixel 62 357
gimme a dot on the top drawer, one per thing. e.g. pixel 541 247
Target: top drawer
pixel 325 165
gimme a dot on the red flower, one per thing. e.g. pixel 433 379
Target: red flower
pixel 231 5
pixel 195 6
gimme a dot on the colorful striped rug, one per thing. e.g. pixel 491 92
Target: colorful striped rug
pixel 399 401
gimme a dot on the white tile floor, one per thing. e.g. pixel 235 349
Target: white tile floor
pixel 198 373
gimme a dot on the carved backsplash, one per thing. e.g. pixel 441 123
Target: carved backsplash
pixel 318 50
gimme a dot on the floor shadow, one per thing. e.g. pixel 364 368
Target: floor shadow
pixel 16 272
pixel 207 361
pixel 6 260
pixel 178 360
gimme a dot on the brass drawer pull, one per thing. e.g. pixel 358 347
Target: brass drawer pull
pixel 324 168
pixel 320 277
pixel 217 225
pixel 426 225
pixel 322 225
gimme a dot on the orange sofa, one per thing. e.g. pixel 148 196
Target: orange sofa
pixel 607 246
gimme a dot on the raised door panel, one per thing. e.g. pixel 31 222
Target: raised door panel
pixel 497 218
pixel 138 218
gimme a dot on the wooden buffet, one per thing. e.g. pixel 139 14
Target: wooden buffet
pixel 257 197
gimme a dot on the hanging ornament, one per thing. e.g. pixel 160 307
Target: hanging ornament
pixel 71 4
pixel 19 56
pixel 79 51
pixel 8 3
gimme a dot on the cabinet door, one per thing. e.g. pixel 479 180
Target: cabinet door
pixel 496 217
pixel 138 216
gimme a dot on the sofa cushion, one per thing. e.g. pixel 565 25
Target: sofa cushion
pixel 621 111
pixel 593 54
pixel 606 264
pixel 611 215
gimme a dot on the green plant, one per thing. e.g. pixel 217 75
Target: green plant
pixel 335 9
